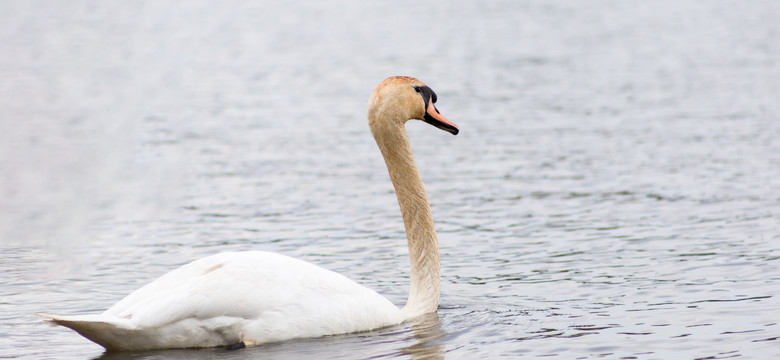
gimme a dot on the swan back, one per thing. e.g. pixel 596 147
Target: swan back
pixel 252 297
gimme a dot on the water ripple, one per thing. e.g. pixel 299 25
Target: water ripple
pixel 613 192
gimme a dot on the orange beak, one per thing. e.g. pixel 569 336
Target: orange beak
pixel 435 118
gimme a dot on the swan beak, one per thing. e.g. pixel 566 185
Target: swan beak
pixel 435 118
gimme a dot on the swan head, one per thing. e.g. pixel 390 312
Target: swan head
pixel 398 99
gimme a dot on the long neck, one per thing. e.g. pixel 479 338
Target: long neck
pixel 425 274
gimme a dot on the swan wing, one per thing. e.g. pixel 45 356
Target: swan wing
pixel 254 297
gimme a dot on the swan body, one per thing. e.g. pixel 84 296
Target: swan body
pixel 254 297
pixel 234 297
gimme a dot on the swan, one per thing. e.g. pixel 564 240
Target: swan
pixel 240 299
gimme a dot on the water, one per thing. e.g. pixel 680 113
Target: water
pixel 614 191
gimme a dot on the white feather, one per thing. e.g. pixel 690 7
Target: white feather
pixel 252 297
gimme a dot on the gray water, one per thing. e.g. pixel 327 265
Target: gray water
pixel 614 191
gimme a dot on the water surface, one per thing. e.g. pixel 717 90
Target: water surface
pixel 614 191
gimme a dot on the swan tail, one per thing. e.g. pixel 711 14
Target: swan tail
pixel 104 332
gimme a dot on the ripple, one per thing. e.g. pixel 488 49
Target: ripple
pixel 613 192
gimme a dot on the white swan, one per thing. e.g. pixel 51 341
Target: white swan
pixel 248 298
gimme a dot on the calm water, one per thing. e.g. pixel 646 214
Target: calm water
pixel 614 191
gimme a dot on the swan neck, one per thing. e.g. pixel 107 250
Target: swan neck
pixel 425 273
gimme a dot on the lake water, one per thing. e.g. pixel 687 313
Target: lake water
pixel 614 191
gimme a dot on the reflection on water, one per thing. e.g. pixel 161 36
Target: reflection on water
pixel 613 191
pixel 427 331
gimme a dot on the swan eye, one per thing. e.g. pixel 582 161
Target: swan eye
pixel 426 93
